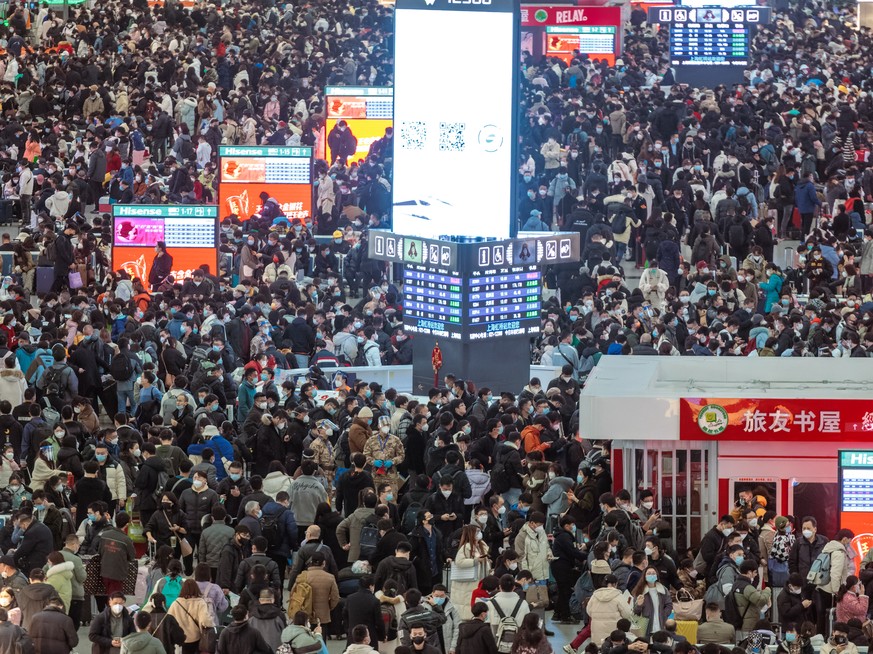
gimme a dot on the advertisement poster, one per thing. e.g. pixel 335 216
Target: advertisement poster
pixel 367 110
pixel 453 150
pixel 190 233
pixel 138 232
pixel 856 499
pixel 283 173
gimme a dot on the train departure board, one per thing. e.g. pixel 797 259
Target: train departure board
pixel 704 44
pixel 475 290
pixel 505 303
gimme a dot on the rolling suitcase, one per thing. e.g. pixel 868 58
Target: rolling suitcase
pixel 45 277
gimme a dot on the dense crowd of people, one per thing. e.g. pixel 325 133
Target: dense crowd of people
pixel 158 416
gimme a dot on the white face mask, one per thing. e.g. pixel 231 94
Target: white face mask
pixel 117 608
pixel 728 531
pixel 482 519
pixel 446 493
pixel 385 429
pixel 647 505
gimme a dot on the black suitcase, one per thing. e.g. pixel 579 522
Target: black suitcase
pixel 45 278
pixel 7 211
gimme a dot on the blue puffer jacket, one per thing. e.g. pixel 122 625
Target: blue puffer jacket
pixel 805 197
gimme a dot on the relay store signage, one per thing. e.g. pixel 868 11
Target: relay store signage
pixel 746 419
pixel 454 134
pixel 283 173
pixel 190 233
pixel 533 15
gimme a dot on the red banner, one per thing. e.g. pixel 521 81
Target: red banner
pixel 542 15
pixel 743 419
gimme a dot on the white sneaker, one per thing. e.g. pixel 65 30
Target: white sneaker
pixel 568 649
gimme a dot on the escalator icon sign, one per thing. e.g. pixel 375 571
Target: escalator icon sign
pixel 551 250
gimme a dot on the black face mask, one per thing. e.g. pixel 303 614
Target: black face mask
pixel 418 640
pixel 166 505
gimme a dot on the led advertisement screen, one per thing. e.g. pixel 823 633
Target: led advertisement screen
pixel 453 127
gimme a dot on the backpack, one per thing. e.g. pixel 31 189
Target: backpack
pixel 702 214
pixel 820 571
pixel 54 377
pixel 50 414
pixel 410 517
pixel 507 627
pixel 744 204
pixel 24 645
pixel 619 223
pixel 68 525
pixel 732 613
pixel 170 589
pixel 148 409
pixel 369 540
pixel 736 235
pixel 636 535
pixel 389 617
pixel 272 530
pixel 300 598
pixel 121 368
pixel 163 480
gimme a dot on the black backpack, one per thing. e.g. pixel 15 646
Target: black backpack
pixel 369 540
pixel 121 367
pixel 732 613
pixel 744 204
pixel 410 517
pixel 500 482
pixel 54 377
pixel 619 223
pixel 736 235
pixel 272 530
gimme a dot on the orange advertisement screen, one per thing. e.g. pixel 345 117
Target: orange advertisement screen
pixel 137 261
pixel 346 108
pixel 243 199
pixel 366 130
pixel 283 173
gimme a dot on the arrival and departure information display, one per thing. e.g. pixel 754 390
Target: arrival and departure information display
pixel 480 305
pixel 702 44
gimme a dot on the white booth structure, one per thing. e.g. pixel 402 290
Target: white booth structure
pixel 697 430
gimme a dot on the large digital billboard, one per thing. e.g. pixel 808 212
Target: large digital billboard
pixel 560 31
pixel 367 110
pixel 284 173
pixel 190 233
pixel 453 128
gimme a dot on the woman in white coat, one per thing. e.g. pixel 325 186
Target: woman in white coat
pixel 606 607
pixel 471 564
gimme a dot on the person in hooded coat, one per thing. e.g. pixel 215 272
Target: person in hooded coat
pixel 240 636
pixel 475 636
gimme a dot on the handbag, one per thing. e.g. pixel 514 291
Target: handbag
pixel 208 637
pixel 686 607
pixel 185 548
pixel 463 574
pixel 639 625
pixel 75 279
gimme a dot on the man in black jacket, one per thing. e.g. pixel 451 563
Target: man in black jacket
pixel 567 556
pixel 51 628
pixel 63 256
pixel 300 337
pixel 240 636
pixel 713 542
pixel 474 636
pixel 362 608
pixel 34 597
pixel 35 545
pixel 100 633
pixel 146 484
pixel 806 548
pixel 508 456
pixel 230 558
pixel 398 568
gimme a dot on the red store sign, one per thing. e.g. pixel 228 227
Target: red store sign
pixel 541 15
pixel 743 419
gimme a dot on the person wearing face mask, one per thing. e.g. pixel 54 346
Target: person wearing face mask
pixel 534 554
pixel 196 503
pixel 808 545
pixel 384 452
pixel 840 553
pixel 652 601
pixel 793 604
pixel 712 545
pixel 851 600
pixel 568 557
